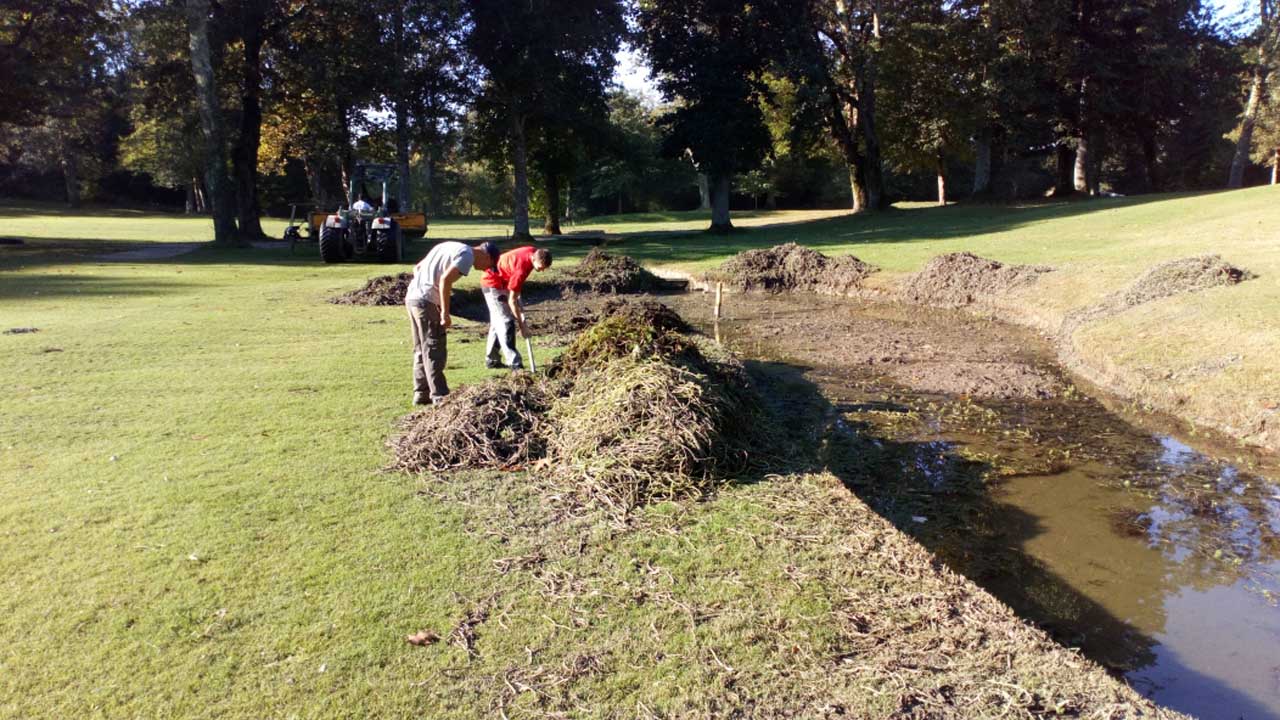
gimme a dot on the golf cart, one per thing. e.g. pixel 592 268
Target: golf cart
pixel 376 235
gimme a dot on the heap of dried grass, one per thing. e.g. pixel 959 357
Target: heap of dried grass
pixel 628 329
pixel 601 272
pixel 490 425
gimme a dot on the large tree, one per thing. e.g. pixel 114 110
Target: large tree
pixel 221 191
pixel 538 57
pixel 1264 63
pixel 709 57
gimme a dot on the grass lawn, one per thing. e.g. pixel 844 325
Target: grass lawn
pixel 194 522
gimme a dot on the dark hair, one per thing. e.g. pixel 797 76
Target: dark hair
pixel 543 256
pixel 491 249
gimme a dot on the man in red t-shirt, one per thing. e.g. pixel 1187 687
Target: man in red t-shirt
pixel 502 285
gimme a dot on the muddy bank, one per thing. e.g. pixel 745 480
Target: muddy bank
pixel 1125 543
pixel 781 596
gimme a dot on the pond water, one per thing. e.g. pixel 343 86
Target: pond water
pixel 1158 560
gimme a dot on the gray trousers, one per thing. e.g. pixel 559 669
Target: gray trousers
pixel 430 351
pixel 502 329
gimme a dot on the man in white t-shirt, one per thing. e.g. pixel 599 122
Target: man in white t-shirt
pixel 427 301
pixel 362 206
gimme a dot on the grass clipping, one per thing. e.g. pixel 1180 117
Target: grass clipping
pixel 635 411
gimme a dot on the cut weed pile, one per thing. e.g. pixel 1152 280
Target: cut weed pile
pixel 606 273
pixel 633 411
pixel 497 424
pixel 960 279
pixel 381 290
pixel 792 267
pixel 1182 276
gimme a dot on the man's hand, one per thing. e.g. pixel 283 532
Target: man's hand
pixel 446 320
pixel 524 330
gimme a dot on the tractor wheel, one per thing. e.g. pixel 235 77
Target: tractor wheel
pixel 332 245
pixel 384 246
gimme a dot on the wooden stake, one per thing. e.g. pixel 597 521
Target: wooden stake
pixel 719 298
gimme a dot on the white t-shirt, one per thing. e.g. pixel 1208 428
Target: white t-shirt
pixel 429 273
pixel 362 206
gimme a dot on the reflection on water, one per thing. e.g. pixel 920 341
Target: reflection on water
pixel 1158 561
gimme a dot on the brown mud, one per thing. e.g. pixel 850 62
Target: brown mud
pixel 1152 557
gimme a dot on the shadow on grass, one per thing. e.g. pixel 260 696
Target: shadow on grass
pixel 656 245
pixel 36 286
pixel 941 499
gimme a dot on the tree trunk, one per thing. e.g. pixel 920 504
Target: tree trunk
pixel 873 167
pixel 982 163
pixel 202 203
pixel 401 108
pixel 245 158
pixel 71 177
pixel 856 189
pixel 1151 160
pixel 1244 143
pixel 1080 176
pixel 520 169
pixel 552 225
pixel 219 184
pixel 1066 158
pixel 704 194
pixel 1275 167
pixel 429 182
pixel 309 166
pixel 720 222
pixel 942 178
pixel 190 206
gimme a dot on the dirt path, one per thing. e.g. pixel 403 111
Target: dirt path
pixel 159 251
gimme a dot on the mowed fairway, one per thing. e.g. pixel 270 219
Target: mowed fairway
pixel 192 517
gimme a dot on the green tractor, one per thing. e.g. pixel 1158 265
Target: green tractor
pixel 363 230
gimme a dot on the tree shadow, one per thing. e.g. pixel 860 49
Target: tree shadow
pixel 890 226
pixel 42 286
pixel 940 498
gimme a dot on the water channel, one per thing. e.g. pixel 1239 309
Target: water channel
pixel 1158 560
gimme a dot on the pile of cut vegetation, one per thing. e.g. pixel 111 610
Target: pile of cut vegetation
pixel 959 279
pixel 792 267
pixel 382 290
pixel 635 410
pixel 1183 276
pixel 604 273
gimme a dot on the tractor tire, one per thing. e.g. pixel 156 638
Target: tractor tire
pixel 386 245
pixel 332 245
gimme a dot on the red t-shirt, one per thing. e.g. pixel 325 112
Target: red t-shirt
pixel 514 267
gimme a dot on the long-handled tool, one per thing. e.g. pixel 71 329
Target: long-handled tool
pixel 533 364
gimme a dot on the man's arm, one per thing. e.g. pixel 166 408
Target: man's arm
pixel 517 311
pixel 446 289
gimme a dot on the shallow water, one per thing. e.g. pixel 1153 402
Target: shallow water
pixel 1156 559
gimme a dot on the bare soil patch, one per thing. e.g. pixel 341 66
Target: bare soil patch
pixel 1002 380
pixel 792 267
pixel 960 279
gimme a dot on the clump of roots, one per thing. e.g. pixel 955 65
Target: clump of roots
pixel 960 279
pixel 628 329
pixel 382 290
pixel 605 273
pixel 498 424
